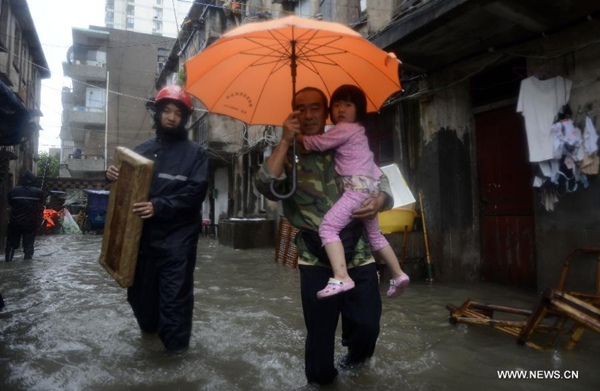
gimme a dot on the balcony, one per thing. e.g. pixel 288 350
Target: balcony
pixel 82 116
pixel 81 119
pixel 67 97
pixel 85 70
pixel 87 166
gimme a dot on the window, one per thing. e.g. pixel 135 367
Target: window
pixel 303 8
pixel 3 23
pixel 24 75
pixel 158 13
pixel 110 4
pixel 363 6
pixel 130 22
pixel 386 150
pixel 130 10
pixel 159 2
pixel 363 10
pixel 380 131
pixel 110 17
pixel 156 25
pixel 16 48
pixel 163 56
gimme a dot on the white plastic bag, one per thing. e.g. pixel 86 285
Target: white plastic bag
pixel 68 223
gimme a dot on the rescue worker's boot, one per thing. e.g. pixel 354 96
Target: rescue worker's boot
pixel 9 254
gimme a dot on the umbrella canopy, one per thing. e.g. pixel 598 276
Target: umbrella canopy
pixel 252 72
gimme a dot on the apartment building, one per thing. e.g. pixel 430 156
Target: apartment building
pixel 96 120
pixel 22 68
pixel 158 17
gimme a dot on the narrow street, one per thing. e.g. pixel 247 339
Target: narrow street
pixel 67 326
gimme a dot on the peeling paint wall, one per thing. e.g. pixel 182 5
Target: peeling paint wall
pixel 446 178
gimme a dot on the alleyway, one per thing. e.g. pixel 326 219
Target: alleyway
pixel 67 326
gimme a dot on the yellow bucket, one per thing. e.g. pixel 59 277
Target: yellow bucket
pixel 396 220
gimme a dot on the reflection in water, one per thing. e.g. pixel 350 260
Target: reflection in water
pixel 67 326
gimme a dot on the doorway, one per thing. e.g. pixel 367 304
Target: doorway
pixel 506 199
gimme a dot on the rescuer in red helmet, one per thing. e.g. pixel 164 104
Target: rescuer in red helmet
pixel 162 296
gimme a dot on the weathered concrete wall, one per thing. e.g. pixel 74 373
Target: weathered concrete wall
pixel 380 13
pixel 446 177
pixel 225 131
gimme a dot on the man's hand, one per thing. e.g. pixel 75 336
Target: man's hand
pixel 143 209
pixel 369 208
pixel 291 127
pixel 112 174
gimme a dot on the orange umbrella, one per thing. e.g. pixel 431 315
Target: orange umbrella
pixel 252 72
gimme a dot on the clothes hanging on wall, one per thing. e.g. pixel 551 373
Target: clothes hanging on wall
pixel 591 162
pixel 539 102
pixel 575 155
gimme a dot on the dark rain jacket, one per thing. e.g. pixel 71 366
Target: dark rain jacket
pixel 177 191
pixel 25 202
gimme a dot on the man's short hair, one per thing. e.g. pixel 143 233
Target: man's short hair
pixel 315 89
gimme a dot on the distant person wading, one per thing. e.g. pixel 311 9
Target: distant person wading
pixel 25 202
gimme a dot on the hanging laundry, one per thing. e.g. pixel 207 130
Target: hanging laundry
pixel 573 140
pixel 573 136
pixel 558 140
pixel 539 102
pixel 591 162
pixel 549 198
pixel 550 169
pixel 590 136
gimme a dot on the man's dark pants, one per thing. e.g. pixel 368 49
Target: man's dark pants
pixel 361 314
pixel 14 235
pixel 162 298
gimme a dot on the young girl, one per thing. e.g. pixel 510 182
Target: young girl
pixel 360 176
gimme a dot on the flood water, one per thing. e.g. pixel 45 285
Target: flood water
pixel 67 326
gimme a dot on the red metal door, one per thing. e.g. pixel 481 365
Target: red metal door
pixel 506 199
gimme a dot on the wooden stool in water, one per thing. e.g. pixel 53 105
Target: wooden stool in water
pixel 559 312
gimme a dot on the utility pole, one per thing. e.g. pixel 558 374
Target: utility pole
pixel 106 122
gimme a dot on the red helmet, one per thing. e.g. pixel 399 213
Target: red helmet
pixel 175 92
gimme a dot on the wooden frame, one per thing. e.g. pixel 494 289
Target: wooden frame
pixel 558 312
pixel 123 229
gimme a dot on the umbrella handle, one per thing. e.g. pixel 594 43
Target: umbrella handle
pixel 293 190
